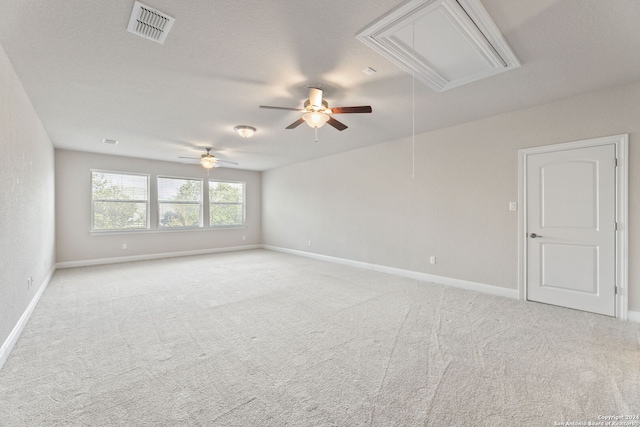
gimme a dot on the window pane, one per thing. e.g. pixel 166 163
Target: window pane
pixel 226 215
pixel 226 203
pixel 179 202
pixel 182 190
pixel 179 215
pixel 116 186
pixel 226 192
pixel 119 201
pixel 119 215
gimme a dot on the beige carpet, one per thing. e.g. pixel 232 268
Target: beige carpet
pixel 260 338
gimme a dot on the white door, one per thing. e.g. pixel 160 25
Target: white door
pixel 571 214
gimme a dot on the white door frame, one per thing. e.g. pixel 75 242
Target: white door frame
pixel 621 143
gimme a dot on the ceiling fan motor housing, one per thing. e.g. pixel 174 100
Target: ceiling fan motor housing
pixel 309 107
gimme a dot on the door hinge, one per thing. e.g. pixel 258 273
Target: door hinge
pixel 615 162
pixel 616 288
pixel 615 226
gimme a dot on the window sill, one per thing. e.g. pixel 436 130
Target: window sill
pixel 167 230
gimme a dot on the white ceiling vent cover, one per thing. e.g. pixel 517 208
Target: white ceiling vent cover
pixel 444 43
pixel 149 23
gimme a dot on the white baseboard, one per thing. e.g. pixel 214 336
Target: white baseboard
pixel 115 260
pixel 447 281
pixel 11 340
pixel 633 316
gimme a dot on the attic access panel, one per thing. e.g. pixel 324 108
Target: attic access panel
pixel 444 43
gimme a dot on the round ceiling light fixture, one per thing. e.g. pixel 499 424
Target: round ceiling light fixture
pixel 245 131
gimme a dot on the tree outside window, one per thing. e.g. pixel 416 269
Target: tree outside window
pixel 226 203
pixel 119 201
pixel 179 202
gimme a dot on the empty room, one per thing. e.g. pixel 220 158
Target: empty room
pixel 295 213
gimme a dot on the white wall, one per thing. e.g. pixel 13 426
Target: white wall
pixel 365 206
pixel 27 224
pixel 74 243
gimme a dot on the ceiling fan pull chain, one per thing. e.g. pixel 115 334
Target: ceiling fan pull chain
pixel 316 134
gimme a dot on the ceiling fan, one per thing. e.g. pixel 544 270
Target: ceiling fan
pixel 317 112
pixel 208 160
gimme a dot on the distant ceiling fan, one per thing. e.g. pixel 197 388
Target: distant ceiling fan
pixel 317 112
pixel 208 160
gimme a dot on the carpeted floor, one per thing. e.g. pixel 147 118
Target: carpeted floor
pixel 260 338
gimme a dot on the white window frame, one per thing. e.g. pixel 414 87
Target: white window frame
pixel 119 230
pixel 244 203
pixel 200 203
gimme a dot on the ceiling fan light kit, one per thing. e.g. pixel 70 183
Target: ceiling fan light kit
pixel 208 161
pixel 315 119
pixel 245 131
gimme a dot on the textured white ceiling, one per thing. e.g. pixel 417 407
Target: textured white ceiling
pixel 90 79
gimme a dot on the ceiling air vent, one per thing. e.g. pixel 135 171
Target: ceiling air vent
pixel 149 23
pixel 444 43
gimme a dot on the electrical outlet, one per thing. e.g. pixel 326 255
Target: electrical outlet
pixel 309 243
pixel 432 260
pixel 513 206
pixel 124 246
pixel 244 237
pixel 29 282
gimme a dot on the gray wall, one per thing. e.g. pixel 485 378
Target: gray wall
pixel 26 200
pixel 365 206
pixel 75 244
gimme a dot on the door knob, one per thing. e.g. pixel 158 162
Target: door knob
pixel 534 235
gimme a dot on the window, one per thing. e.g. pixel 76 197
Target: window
pixel 119 201
pixel 226 203
pixel 179 202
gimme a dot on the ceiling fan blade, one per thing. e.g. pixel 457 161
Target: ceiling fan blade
pixel 348 110
pixel 336 124
pixel 281 108
pixel 190 158
pixel 295 124
pixel 315 97
pixel 227 161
